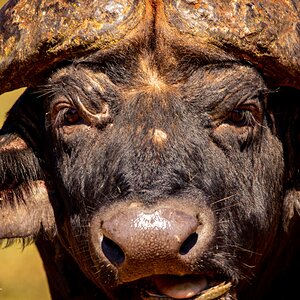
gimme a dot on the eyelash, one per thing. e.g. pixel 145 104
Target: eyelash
pixel 241 117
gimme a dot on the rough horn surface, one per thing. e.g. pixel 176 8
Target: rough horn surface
pixel 263 32
pixel 35 35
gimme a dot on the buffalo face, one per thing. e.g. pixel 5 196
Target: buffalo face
pixel 163 181
pixel 159 166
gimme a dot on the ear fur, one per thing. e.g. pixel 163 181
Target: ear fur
pixel 25 206
pixel 284 105
pixel 291 207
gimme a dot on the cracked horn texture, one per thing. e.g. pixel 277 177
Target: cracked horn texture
pixel 37 34
pixel 263 32
pixel 34 35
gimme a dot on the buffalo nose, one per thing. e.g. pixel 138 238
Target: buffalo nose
pixel 141 244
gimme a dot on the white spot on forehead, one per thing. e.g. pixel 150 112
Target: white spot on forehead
pixel 160 133
pixel 159 136
pixel 151 221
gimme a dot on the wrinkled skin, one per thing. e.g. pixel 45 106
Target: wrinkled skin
pixel 197 143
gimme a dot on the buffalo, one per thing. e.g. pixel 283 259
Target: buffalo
pixel 155 151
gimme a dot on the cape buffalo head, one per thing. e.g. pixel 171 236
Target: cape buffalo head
pixel 154 153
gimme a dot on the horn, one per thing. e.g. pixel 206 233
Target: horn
pixel 37 34
pixel 265 33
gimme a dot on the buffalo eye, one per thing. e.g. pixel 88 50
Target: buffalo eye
pixel 241 117
pixel 71 116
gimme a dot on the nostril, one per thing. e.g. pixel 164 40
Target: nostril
pixel 188 244
pixel 112 251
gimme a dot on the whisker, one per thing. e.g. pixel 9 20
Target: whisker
pixel 225 207
pixel 239 248
pixel 248 266
pixel 223 199
pixel 259 124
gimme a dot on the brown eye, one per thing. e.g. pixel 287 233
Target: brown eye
pixel 241 117
pixel 71 116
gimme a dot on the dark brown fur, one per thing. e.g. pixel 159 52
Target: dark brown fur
pixel 155 127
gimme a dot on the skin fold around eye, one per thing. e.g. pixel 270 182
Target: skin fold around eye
pixel 74 112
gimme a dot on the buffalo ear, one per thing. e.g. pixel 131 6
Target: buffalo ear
pixel 291 207
pixel 284 105
pixel 25 207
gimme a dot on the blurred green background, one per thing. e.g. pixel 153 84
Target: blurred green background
pixel 22 276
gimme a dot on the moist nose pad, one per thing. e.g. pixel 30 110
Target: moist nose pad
pixel 141 244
